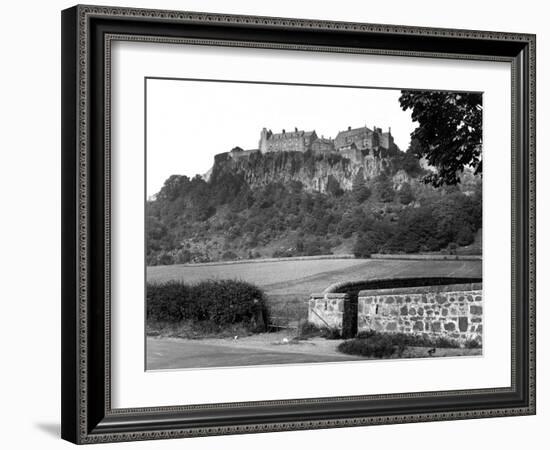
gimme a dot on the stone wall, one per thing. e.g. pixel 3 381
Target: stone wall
pixel 453 311
pixel 334 311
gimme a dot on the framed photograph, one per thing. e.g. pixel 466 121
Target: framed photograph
pixel 278 224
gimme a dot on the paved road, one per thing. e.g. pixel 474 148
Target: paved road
pixel 184 354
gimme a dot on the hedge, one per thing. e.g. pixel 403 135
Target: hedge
pixel 223 302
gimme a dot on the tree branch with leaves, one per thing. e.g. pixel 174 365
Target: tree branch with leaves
pixel 449 132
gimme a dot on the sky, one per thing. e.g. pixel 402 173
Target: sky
pixel 188 122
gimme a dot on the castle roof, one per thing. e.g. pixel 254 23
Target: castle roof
pixel 292 134
pixel 353 132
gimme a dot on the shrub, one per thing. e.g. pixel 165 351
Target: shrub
pixel 405 194
pixel 378 346
pixel 222 302
pixel 331 333
pixel 229 256
pixel 472 343
pixel 364 246
pixel 383 187
pixel 333 187
pixel 444 342
pixel 307 330
pixel 452 248
pixel 362 194
pixel 416 340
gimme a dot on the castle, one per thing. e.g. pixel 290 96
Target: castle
pixel 353 143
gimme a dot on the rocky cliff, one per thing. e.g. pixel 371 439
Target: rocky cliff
pixel 313 170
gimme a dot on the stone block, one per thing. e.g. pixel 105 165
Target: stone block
pixel 418 326
pixel 391 326
pixel 436 327
pixel 463 323
pixel 404 310
pixel 476 310
pixel 450 326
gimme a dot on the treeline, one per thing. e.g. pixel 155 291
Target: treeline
pixel 192 220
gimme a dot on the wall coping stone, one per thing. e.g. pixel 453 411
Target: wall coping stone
pixel 359 285
pixel 328 295
pixel 422 289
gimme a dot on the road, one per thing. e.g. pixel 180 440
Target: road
pixel 186 353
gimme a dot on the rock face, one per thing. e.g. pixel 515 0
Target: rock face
pixel 311 169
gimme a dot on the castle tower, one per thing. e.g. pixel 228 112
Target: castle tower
pixel 262 145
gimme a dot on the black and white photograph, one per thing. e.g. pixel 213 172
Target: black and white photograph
pixel 275 225
pixel 307 223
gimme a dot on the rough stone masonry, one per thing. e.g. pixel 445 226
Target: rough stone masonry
pixel 454 311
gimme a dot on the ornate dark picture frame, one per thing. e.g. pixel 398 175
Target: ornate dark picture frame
pixel 87 33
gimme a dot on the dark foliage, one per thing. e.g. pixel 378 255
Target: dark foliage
pixel 405 194
pixel 471 343
pixel 377 346
pixel 380 345
pixel 449 132
pixel 221 302
pixel 383 188
pixel 192 220
pixel 413 340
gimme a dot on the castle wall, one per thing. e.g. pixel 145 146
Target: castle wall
pixel 322 146
pixel 243 154
pixel 386 140
pixel 301 141
pixel 286 144
pixel 361 138
pixel 352 154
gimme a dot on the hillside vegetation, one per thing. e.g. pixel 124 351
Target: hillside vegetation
pixel 228 218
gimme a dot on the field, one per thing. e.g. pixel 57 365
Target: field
pixel 288 283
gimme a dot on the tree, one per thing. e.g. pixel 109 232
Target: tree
pixel 449 132
pixel 383 187
pixel 360 190
pixel 333 187
pixel 364 246
pixel 405 194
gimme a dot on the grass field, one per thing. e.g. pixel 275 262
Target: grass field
pixel 288 283
pixel 305 277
